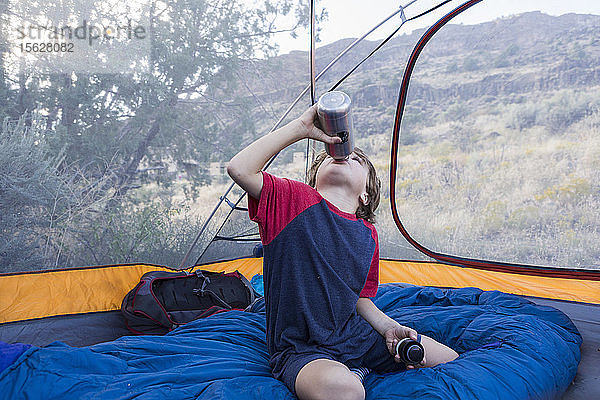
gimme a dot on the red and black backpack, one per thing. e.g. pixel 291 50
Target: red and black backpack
pixel 162 300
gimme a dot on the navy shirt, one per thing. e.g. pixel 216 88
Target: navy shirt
pixel 318 260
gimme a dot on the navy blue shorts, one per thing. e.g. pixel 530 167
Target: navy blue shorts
pixel 378 359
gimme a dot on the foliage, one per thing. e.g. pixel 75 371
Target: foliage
pixel 504 58
pixel 33 196
pixel 525 195
pixel 138 119
pixel 98 137
pixel 152 233
pixel 52 217
pixel 555 112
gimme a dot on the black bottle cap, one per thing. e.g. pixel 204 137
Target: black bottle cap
pixel 415 354
pixel 410 351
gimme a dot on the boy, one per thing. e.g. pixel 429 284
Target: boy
pixel 321 261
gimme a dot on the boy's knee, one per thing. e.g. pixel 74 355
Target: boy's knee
pixel 345 387
pixel 328 382
pixel 356 391
pixel 348 388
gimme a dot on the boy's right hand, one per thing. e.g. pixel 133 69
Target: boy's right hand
pixel 310 126
pixel 395 334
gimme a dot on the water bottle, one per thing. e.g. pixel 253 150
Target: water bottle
pixel 411 352
pixel 333 111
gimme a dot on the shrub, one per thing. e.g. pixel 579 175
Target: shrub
pixel 32 194
pixel 523 116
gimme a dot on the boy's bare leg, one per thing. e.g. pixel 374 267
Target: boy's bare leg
pixel 436 352
pixel 328 379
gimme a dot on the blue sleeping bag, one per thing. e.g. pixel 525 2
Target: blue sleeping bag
pixel 509 348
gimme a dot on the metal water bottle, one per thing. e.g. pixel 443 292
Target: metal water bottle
pixel 333 111
pixel 410 351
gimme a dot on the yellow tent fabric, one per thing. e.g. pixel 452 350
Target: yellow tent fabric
pixel 83 290
pixel 442 275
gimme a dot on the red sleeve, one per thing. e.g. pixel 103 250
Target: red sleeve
pixel 281 200
pixel 372 283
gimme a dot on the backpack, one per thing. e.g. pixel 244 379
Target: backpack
pixel 162 300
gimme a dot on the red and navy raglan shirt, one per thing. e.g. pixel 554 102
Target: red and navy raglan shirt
pixel 318 260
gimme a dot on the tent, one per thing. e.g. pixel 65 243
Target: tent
pixel 80 306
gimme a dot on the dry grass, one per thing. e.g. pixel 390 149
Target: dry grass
pixel 525 196
pixel 478 187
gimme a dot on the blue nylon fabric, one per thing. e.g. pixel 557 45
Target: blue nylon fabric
pixel 533 354
pixel 10 352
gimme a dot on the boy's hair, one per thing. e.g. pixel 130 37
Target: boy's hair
pixel 373 184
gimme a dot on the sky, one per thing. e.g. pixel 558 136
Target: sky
pixel 353 18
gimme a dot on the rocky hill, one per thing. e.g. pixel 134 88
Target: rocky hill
pixel 554 44
pixel 502 58
pixel 499 138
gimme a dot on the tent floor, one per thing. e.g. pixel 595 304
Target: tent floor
pixel 586 318
pixel 88 329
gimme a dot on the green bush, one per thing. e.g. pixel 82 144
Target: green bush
pixel 50 217
pixel 504 58
pixel 33 194
pixel 567 107
pixel 523 116
pixel 153 233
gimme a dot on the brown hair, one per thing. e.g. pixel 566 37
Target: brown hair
pixel 366 212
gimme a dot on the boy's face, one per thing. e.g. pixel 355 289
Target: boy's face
pixel 351 172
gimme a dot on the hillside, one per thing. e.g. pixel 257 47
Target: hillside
pixel 500 136
pixel 493 58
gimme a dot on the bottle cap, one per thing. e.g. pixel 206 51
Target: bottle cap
pixel 410 351
pixel 415 354
pixel 334 103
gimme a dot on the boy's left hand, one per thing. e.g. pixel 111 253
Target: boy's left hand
pixel 312 129
pixel 395 334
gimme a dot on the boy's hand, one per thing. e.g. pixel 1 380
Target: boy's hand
pixel 309 123
pixel 395 334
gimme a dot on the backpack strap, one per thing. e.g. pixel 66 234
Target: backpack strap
pixel 218 299
pixel 202 290
pixel 253 294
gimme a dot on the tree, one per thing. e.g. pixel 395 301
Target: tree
pixel 102 129
pixel 197 51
